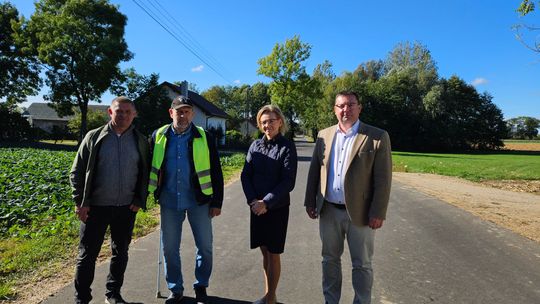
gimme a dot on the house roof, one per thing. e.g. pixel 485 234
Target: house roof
pixel 41 110
pixel 206 106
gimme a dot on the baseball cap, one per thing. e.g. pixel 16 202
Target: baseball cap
pixel 181 101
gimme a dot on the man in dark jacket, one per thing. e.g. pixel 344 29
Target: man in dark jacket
pixel 109 179
pixel 186 179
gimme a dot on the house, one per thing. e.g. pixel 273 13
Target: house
pixel 248 128
pixel 207 115
pixel 41 115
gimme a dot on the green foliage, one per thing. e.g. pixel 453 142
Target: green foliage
pixel 525 7
pixel 35 192
pixel 19 71
pixel 231 165
pixel 38 228
pixel 81 42
pixel 13 126
pixel 523 127
pixel 133 85
pixel 239 102
pixel 292 89
pixel 95 119
pixel 152 110
pixel 235 139
pixel 472 166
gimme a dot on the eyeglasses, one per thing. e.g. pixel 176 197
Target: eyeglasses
pixel 270 121
pixel 349 105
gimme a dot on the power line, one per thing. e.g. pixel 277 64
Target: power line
pixel 179 39
pixel 194 43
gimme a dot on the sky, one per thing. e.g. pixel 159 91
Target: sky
pixel 471 39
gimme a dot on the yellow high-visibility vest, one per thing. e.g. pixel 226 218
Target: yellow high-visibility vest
pixel 201 160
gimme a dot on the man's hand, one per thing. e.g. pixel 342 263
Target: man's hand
pixel 82 213
pixel 311 212
pixel 375 223
pixel 214 212
pixel 134 208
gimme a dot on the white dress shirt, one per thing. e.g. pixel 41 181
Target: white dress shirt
pixel 341 149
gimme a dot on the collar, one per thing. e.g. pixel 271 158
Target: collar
pixel 352 130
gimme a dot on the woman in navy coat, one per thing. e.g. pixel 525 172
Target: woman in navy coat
pixel 268 177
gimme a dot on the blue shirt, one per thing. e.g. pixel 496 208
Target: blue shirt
pixel 177 182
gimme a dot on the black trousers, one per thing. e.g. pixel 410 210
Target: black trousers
pixel 121 221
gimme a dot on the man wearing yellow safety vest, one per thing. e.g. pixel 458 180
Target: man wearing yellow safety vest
pixel 186 179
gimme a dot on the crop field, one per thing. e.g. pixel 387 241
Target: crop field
pixel 37 224
pixel 522 145
pixel 34 191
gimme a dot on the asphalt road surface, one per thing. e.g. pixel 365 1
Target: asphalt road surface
pixel 426 252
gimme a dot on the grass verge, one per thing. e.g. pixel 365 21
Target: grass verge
pixel 503 165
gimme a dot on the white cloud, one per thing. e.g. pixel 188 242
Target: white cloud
pixel 479 81
pixel 197 68
pixel 237 81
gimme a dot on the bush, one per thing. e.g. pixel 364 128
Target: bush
pixel 236 140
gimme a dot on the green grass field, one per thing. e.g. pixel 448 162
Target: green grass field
pixel 506 165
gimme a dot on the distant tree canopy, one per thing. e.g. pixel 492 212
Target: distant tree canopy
pixel 13 127
pixel 19 70
pixel 239 102
pixel 523 127
pixel 95 119
pixel 81 42
pixel 402 94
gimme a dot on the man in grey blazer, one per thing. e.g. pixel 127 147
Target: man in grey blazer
pixel 348 189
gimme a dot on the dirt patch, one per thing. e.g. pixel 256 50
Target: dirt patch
pixel 517 211
pixel 522 146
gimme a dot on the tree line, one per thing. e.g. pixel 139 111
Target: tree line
pixel 75 48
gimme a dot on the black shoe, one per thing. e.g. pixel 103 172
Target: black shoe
pixel 200 295
pixel 174 298
pixel 115 299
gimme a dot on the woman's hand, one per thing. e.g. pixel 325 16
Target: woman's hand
pixel 258 207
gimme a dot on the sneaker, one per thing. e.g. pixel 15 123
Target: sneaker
pixel 174 298
pixel 200 295
pixel 115 299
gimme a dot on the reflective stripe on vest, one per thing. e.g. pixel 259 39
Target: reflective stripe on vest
pixel 201 160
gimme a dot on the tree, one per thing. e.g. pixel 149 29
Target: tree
pixel 19 72
pixel 81 42
pixel 526 7
pixel 95 119
pixel 523 127
pixel 319 113
pixel 417 61
pixel 13 127
pixel 291 86
pixel 133 85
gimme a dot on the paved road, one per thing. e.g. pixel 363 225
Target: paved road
pixel 428 251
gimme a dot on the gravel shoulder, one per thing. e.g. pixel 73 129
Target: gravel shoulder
pixel 516 211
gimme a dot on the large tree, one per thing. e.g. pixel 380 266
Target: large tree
pixel 19 71
pixel 291 86
pixel 82 43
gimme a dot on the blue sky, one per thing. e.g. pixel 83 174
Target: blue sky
pixel 470 39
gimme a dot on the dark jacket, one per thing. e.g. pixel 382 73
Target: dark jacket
pixel 83 168
pixel 269 172
pixel 216 199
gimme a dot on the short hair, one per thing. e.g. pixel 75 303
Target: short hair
pixel 350 93
pixel 123 99
pixel 277 111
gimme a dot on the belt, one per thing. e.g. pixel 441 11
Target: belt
pixel 339 206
